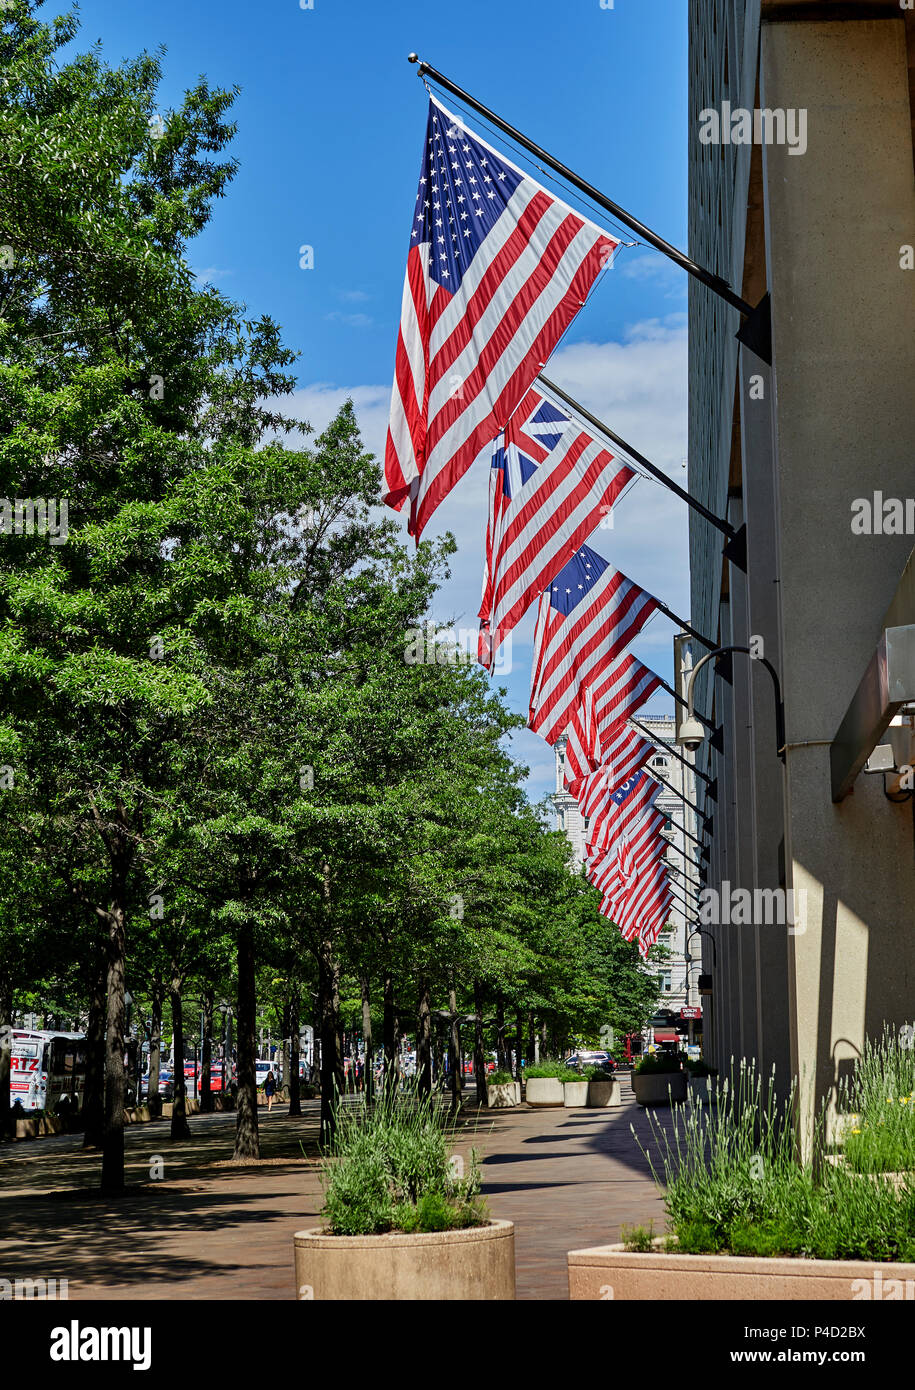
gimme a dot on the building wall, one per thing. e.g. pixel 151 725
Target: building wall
pixel 835 420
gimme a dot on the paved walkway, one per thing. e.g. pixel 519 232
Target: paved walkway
pixel 210 1228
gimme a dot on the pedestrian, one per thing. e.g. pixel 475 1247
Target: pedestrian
pixel 270 1089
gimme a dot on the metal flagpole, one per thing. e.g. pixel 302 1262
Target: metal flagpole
pixel 736 548
pixel 683 797
pixel 757 317
pixel 683 830
pixel 668 748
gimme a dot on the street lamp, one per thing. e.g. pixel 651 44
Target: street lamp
pixel 692 732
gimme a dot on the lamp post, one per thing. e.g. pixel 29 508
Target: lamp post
pixel 692 732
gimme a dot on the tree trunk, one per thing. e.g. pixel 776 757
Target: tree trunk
pixel 389 1040
pixel 519 1044
pixel 180 1127
pixel 454 1051
pixel 94 1094
pixel 295 1090
pixel 479 1058
pixel 286 1044
pixel 543 1040
pixel 247 1141
pixel 331 1052
pixel 6 1055
pixel 531 1039
pixel 113 1132
pixel 369 1071
pixel 157 998
pixel 206 1054
pixel 424 1041
pixel 503 1056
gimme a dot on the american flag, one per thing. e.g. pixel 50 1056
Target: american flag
pixel 626 754
pixel 593 770
pixel 652 924
pixel 603 865
pixel 642 904
pixel 633 799
pixel 634 854
pixel 496 271
pixel 550 486
pixel 585 621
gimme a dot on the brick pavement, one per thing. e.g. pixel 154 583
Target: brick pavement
pixel 213 1229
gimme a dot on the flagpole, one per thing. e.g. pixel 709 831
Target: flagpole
pixel 680 700
pixel 736 548
pixel 756 315
pixel 683 831
pixel 682 795
pixel 693 863
pixel 668 748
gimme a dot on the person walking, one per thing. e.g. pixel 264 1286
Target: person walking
pixel 270 1089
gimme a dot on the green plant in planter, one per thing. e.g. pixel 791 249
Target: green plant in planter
pixel 697 1066
pixel 655 1064
pixel 639 1238
pixel 558 1071
pixel 881 1093
pixel 733 1184
pixel 390 1168
pixel 499 1078
pixel 596 1073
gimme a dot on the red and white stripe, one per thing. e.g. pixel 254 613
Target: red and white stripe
pixel 465 360
pixel 575 652
pixel 535 530
pixel 592 774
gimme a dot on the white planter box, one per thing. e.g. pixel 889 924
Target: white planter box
pixel 603 1093
pixel 575 1094
pixel 477 1263
pixel 611 1271
pixel 544 1090
pixel 503 1096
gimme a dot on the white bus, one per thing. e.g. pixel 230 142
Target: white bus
pixel 45 1067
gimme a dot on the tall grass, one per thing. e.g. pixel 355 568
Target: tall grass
pixel 733 1183
pixel 882 1095
pixel 390 1167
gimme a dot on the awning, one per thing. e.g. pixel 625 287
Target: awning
pixel 661 1035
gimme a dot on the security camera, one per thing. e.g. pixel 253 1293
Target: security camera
pixel 691 734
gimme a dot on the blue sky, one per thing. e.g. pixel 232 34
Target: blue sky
pixel 331 121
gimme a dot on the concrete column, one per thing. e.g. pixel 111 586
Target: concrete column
pixel 843 316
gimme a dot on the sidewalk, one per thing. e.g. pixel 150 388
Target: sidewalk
pixel 214 1229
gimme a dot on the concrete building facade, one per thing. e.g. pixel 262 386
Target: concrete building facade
pixel 825 225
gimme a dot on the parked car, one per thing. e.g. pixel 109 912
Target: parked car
pixel 166 1085
pixel 579 1060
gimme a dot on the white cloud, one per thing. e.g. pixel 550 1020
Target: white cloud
pixel 639 387
pixel 351 320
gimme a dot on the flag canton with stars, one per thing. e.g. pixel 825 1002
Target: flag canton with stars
pixel 627 788
pixel 464 188
pixel 575 581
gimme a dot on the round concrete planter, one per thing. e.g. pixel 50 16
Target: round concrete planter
pixel 574 1094
pixel 603 1093
pixel 504 1096
pixel 611 1270
pixel 544 1090
pixel 659 1088
pixel 477 1264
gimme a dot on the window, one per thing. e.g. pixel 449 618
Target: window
pixel 587 821
pixel 664 981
